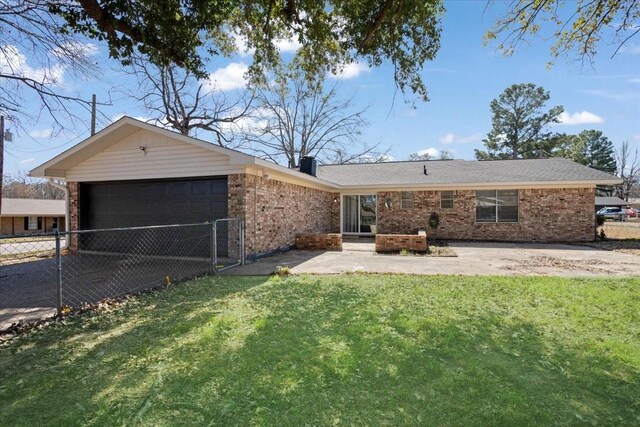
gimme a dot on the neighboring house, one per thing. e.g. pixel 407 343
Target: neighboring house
pixel 610 202
pixel 25 216
pixel 634 202
pixel 132 173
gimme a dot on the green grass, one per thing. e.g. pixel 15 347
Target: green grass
pixel 354 349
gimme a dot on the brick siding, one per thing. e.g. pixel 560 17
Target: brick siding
pixel 319 241
pixel 74 213
pixel 545 215
pixel 398 242
pixel 274 212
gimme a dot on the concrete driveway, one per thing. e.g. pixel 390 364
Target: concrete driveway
pixel 473 258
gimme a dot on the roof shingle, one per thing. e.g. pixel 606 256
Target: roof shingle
pixel 466 172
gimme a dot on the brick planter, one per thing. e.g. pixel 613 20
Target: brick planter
pixel 398 242
pixel 319 241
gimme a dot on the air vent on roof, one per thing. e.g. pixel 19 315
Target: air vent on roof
pixel 425 170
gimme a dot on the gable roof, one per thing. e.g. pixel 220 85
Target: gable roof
pixel 32 207
pixel 126 126
pixel 610 201
pixel 409 174
pixel 443 173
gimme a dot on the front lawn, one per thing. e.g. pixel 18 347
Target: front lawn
pixel 352 349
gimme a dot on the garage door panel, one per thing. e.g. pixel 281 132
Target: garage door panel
pixel 158 202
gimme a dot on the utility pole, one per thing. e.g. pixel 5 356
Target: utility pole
pixel 9 137
pixel 1 157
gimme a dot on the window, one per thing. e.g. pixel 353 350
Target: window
pixel 446 199
pixel 54 222
pixel 32 222
pixel 497 206
pixel 406 200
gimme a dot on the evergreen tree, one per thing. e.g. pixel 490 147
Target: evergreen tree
pixel 590 148
pixel 519 124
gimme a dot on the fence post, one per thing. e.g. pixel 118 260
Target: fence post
pixel 59 272
pixel 214 248
pixel 241 241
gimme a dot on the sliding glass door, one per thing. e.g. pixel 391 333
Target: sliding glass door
pixel 359 214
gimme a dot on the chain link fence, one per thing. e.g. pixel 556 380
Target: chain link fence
pixel 41 275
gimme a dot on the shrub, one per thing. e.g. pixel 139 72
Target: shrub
pixel 282 271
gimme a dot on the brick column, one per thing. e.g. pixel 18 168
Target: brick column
pixel 74 214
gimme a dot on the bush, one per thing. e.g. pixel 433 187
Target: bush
pixel 600 220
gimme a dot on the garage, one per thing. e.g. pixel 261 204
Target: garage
pixel 152 202
pixel 120 204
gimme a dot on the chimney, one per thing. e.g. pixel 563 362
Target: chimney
pixel 308 165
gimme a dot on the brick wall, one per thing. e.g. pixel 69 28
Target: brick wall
pixel 274 212
pixel 319 241
pixel 398 242
pixel 74 213
pixel 545 215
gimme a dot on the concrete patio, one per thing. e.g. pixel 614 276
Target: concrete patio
pixel 473 258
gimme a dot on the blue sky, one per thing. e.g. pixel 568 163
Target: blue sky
pixel 462 81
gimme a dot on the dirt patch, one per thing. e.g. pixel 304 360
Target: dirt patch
pixel 544 262
pixel 622 230
pixel 625 246
pixel 440 249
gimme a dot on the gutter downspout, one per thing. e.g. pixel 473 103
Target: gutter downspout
pixel 67 216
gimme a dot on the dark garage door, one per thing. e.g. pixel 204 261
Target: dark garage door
pixel 154 202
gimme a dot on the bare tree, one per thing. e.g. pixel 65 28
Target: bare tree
pixel 30 31
pixel 628 169
pixel 295 118
pixel 176 98
pixel 22 186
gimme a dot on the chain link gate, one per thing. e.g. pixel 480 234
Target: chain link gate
pixel 227 244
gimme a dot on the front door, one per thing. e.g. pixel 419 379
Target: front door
pixel 359 214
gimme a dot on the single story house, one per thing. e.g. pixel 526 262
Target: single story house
pixel 634 202
pixel 609 202
pixel 132 173
pixel 28 216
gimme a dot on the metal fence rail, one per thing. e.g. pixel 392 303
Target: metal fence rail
pixel 42 274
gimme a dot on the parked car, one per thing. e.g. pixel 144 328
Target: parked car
pixel 614 213
pixel 632 213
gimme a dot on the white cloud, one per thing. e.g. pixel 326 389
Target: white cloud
pixel 289 45
pixel 617 96
pixel 230 77
pixel 40 133
pixel 25 161
pixel 630 49
pixel 634 80
pixel 15 63
pixel 637 137
pixel 351 70
pixel 452 138
pixel 431 151
pixel 75 49
pixel 581 118
pixel 241 45
pixel 286 45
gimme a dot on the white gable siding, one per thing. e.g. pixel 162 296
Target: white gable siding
pixel 165 158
